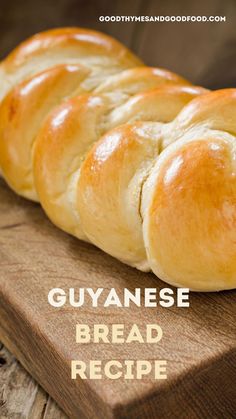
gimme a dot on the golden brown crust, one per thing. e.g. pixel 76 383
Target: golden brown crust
pixel 98 52
pixel 190 216
pixel 86 40
pixel 39 94
pixel 108 194
pixel 60 148
pixel 215 110
pixel 22 113
pixel 68 135
pixel 171 211
pixel 194 182
pixel 131 81
pixel 160 104
pixel 111 178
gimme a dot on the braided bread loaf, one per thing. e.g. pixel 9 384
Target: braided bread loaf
pixel 107 151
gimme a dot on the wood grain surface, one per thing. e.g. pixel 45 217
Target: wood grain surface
pixel 20 396
pixel 199 343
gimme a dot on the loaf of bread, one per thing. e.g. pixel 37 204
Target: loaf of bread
pixel 131 158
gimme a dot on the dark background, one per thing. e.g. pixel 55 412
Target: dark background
pixel 202 52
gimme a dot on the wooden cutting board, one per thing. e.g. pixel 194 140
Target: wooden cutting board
pixel 199 343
